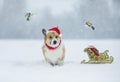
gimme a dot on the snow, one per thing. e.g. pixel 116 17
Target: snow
pixel 22 61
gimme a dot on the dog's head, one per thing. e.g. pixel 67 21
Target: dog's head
pixel 52 37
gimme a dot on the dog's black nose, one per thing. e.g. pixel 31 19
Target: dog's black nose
pixel 54 42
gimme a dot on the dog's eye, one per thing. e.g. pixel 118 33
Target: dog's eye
pixel 56 36
pixel 50 37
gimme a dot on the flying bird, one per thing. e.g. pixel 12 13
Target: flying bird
pixel 28 15
pixel 89 24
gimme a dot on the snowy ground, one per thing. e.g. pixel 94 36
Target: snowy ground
pixel 22 61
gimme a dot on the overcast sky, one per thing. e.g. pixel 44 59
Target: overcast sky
pixel 69 15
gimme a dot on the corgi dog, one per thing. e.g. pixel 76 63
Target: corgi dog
pixel 53 49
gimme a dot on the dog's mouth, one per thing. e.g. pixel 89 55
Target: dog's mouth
pixel 53 44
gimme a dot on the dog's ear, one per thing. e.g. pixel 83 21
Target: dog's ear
pixel 44 32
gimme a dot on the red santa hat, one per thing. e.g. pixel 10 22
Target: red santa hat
pixel 95 51
pixel 55 29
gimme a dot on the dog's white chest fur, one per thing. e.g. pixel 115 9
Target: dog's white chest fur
pixel 53 55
